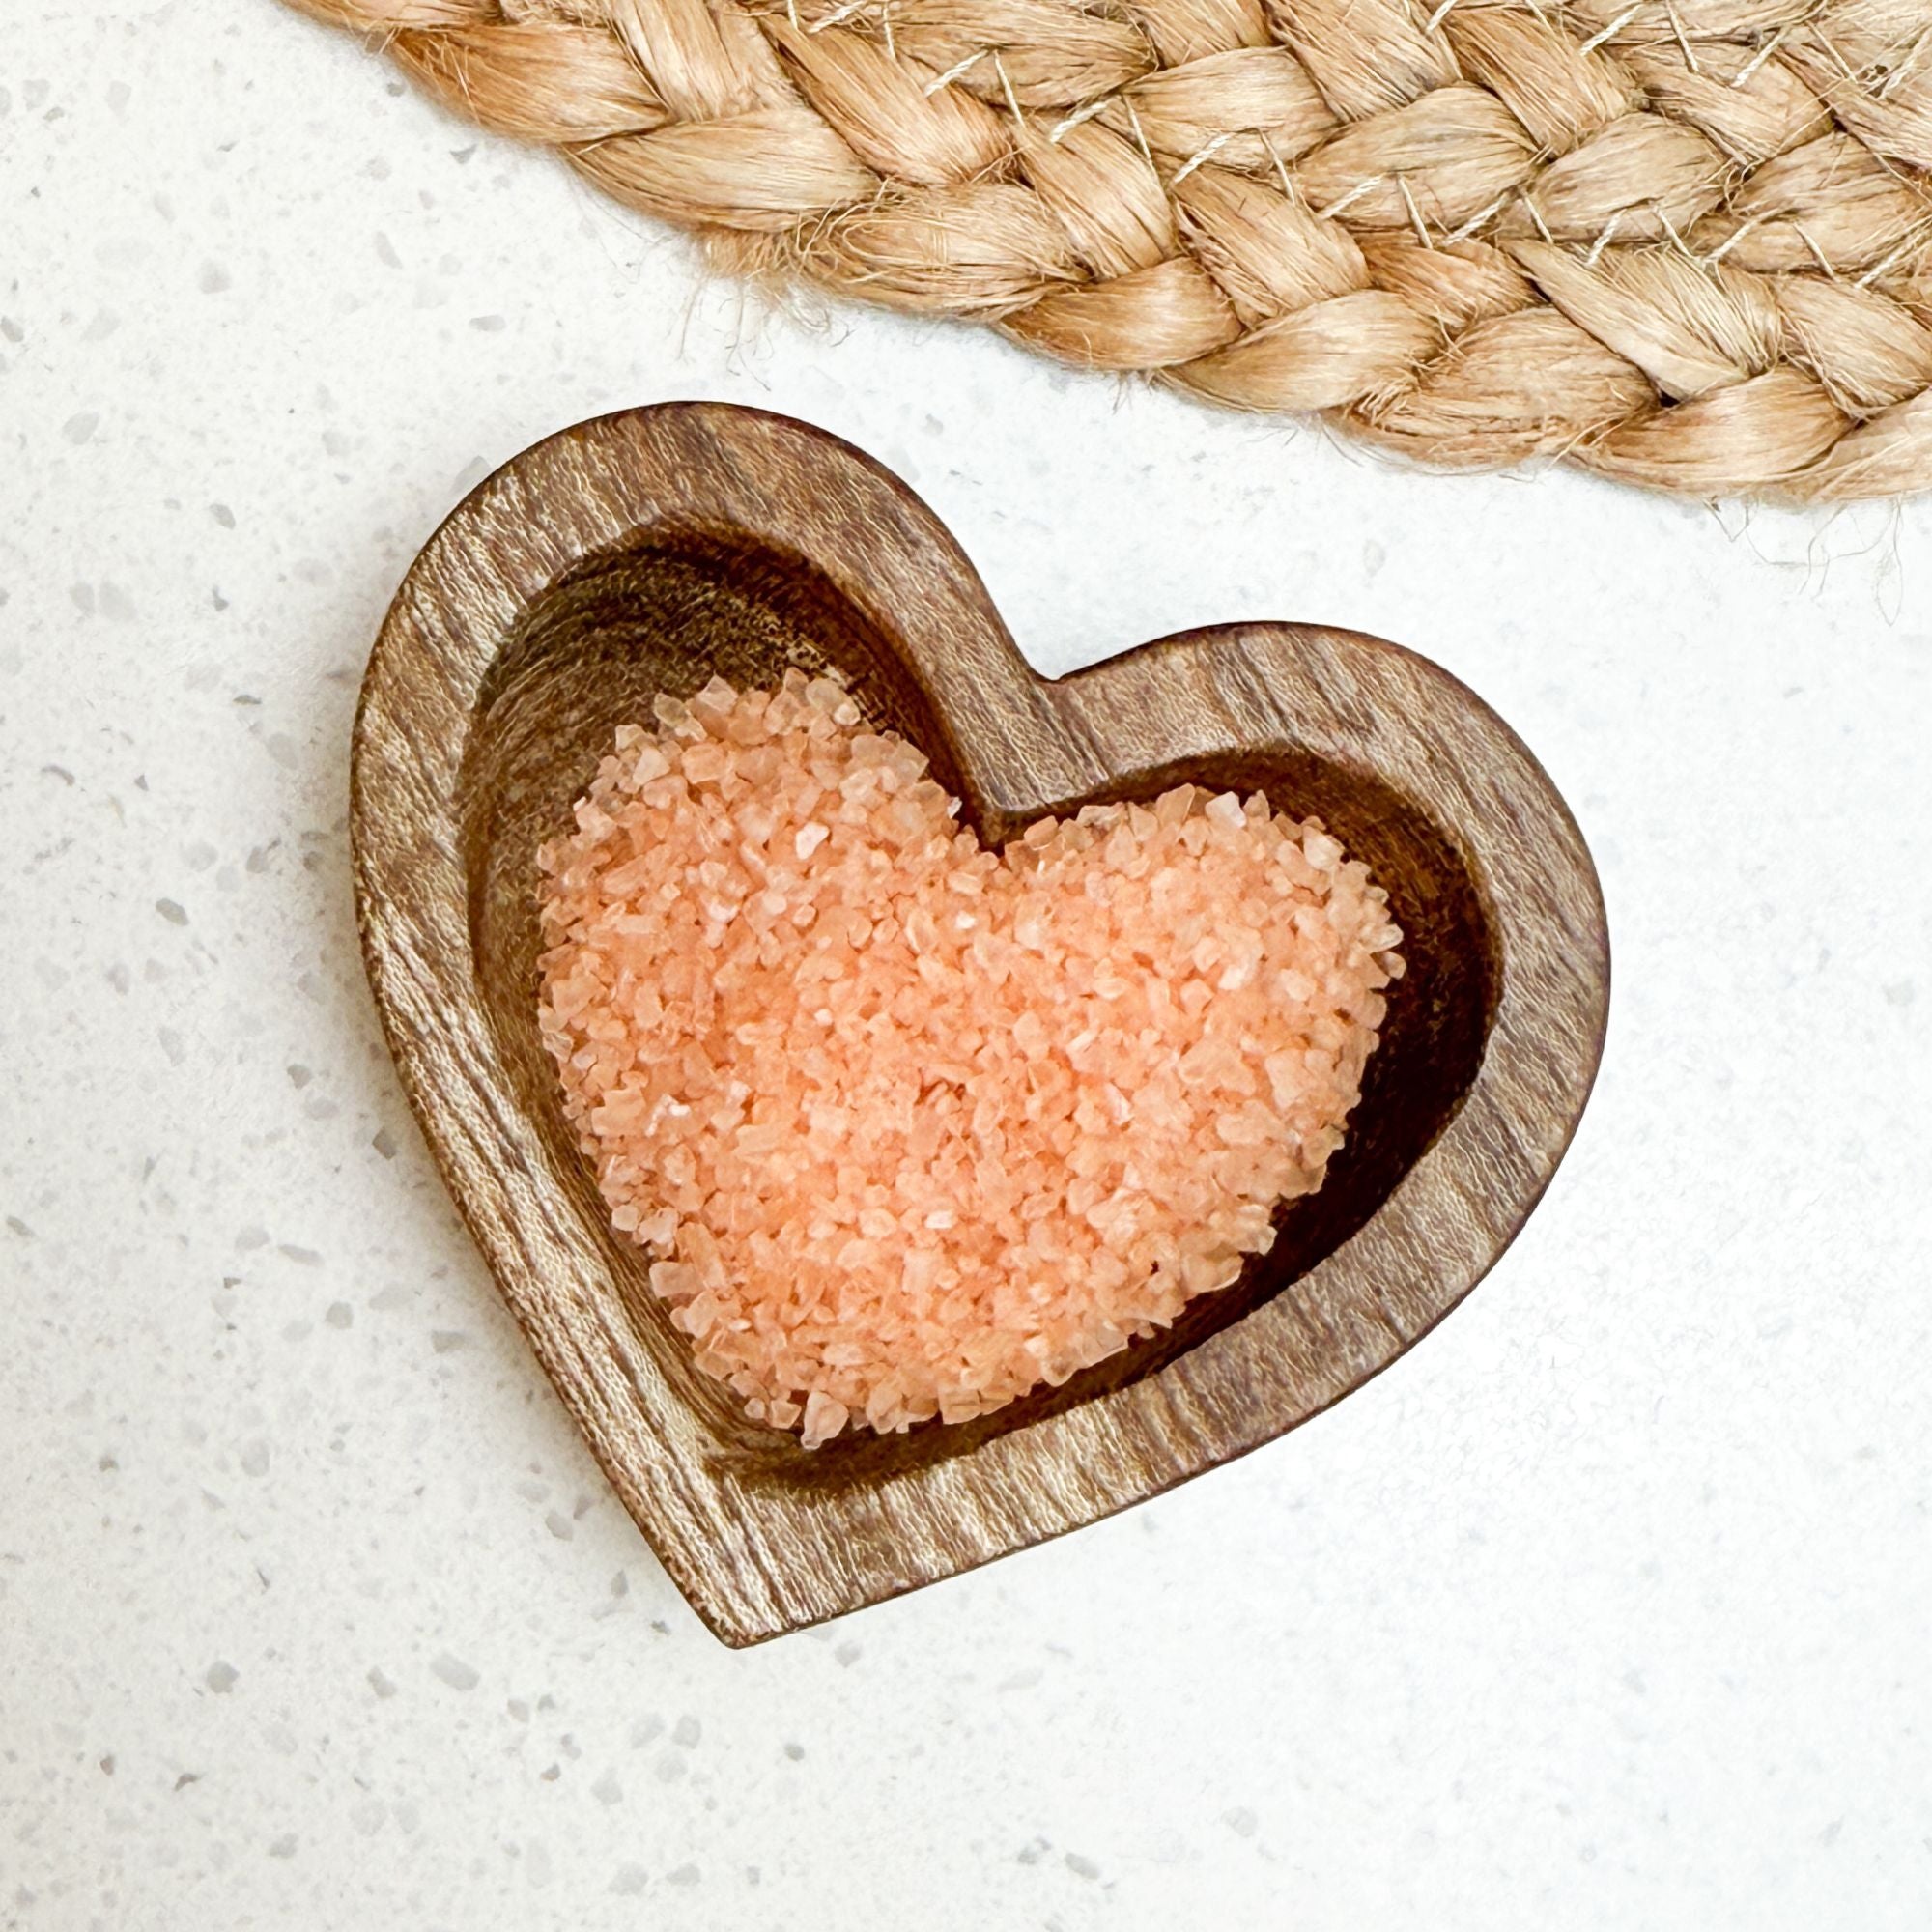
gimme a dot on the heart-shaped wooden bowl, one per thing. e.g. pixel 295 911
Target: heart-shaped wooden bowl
pixel 643 553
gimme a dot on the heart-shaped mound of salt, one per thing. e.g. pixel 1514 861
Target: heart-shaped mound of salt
pixel 915 1126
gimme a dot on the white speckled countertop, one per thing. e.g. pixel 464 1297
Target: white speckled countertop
pixel 1607 1607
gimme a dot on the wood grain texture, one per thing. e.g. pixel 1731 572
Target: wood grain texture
pixel 643 553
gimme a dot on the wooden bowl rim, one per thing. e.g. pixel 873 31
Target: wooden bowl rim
pixel 756 1563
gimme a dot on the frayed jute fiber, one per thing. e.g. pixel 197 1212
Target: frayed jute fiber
pixel 1687 243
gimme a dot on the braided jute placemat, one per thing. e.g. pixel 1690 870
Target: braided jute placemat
pixel 1684 242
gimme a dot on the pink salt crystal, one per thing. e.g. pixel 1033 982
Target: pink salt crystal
pixel 824 1418
pixel 706 761
pixel 718 703
pixel 910 1127
pixel 1323 853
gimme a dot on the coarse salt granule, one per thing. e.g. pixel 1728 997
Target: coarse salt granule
pixel 910 1126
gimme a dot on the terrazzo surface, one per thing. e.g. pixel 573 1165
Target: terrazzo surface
pixel 1606 1608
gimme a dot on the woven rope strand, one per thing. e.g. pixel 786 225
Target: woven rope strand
pixel 1687 243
